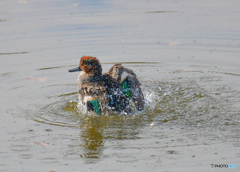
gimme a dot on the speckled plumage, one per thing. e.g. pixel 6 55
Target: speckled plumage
pixel 106 88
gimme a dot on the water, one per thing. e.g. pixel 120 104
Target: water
pixel 184 53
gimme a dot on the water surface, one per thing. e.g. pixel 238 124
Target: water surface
pixel 185 54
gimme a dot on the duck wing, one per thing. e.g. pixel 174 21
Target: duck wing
pixel 136 92
pixel 129 83
pixel 117 100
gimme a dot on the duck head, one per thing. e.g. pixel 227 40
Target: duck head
pixel 89 65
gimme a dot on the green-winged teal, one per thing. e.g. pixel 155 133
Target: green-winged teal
pixel 112 91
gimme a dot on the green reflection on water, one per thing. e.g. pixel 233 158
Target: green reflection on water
pixel 13 53
pixel 56 67
pixel 47 68
pixel 93 142
pixel 71 107
pixel 7 74
pixel 133 62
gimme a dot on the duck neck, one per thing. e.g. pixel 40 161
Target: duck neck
pixel 96 77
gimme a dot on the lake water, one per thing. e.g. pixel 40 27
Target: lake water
pixel 185 53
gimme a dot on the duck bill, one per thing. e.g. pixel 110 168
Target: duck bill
pixel 75 69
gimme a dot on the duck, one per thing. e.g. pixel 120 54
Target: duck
pixel 108 92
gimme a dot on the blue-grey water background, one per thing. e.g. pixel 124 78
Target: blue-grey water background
pixel 185 53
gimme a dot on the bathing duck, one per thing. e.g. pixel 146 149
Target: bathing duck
pixel 112 91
